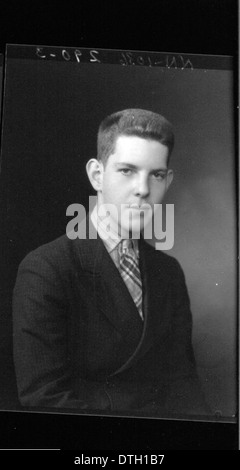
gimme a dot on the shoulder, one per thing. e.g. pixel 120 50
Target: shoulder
pixel 163 262
pixel 55 255
pixel 48 250
pixel 160 256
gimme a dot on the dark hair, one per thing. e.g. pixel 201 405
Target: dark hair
pixel 133 122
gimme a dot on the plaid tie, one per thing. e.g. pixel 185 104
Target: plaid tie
pixel 130 272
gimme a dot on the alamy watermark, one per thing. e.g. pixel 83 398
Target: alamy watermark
pixel 145 220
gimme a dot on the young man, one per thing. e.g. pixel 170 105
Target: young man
pixel 104 324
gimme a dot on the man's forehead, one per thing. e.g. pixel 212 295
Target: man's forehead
pixel 130 140
pixel 134 150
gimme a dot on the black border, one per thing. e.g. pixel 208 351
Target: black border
pixel 190 27
pixel 187 26
pixel 74 432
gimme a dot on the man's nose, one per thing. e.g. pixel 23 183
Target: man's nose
pixel 141 187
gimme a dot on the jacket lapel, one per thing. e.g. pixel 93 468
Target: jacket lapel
pixel 155 286
pixel 119 307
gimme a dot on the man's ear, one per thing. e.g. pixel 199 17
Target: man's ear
pixel 169 178
pixel 94 170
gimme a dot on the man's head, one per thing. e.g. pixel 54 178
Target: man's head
pixel 132 122
pixel 131 169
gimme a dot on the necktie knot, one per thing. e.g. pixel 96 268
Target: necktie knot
pixel 127 245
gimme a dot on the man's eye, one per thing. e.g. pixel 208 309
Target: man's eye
pixel 159 176
pixel 126 171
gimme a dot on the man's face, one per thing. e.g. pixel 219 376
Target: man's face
pixel 135 174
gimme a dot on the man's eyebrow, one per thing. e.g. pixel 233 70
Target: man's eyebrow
pixel 135 167
pixel 163 170
pixel 128 165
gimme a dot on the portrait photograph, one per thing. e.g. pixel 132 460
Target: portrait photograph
pixel 92 325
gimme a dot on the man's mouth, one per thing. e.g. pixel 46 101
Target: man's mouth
pixel 140 207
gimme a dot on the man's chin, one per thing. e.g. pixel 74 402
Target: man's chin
pixel 132 230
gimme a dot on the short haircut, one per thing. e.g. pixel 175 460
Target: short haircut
pixel 133 122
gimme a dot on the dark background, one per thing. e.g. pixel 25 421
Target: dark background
pixel 193 27
pixel 52 110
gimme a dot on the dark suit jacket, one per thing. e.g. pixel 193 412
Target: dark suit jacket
pixel 80 343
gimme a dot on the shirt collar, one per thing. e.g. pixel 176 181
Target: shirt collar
pixel 105 231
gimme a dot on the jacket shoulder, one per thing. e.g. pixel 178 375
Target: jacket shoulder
pixel 164 262
pixel 161 256
pixel 55 254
